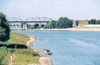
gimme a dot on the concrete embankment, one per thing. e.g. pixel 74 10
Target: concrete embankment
pixel 44 58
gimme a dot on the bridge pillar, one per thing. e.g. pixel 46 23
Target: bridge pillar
pixel 24 26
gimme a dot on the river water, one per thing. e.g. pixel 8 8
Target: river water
pixel 69 47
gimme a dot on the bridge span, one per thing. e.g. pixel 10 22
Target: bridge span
pixel 24 22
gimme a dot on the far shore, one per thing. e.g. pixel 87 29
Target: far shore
pixel 71 29
pixel 67 29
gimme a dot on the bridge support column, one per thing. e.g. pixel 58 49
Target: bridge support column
pixel 24 26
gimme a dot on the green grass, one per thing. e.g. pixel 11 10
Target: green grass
pixel 25 60
pixel 21 56
pixel 5 60
pixel 16 38
pixel 29 52
pixel 3 52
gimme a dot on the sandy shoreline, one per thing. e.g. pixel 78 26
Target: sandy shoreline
pixel 70 29
pixel 67 29
pixel 44 58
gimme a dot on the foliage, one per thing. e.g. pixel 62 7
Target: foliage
pixel 16 38
pixel 21 56
pixel 36 26
pixel 63 22
pixel 31 26
pixel 51 24
pixel 92 21
pixel 77 23
pixel 4 28
pixel 23 51
pixel 98 22
pixel 47 25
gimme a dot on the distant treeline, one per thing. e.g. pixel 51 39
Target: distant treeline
pixel 62 22
pixel 94 21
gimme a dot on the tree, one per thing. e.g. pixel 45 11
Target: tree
pixel 98 22
pixel 77 23
pixel 47 25
pixel 53 24
pixel 36 26
pixel 42 25
pixel 92 21
pixel 64 22
pixel 4 28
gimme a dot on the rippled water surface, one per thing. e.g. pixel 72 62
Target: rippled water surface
pixel 69 47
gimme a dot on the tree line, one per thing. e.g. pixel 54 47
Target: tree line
pixel 94 21
pixel 62 22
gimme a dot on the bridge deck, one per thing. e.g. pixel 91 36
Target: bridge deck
pixel 28 21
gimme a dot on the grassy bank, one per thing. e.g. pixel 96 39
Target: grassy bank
pixel 21 55
pixel 16 38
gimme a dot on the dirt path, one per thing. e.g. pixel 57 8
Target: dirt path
pixel 11 60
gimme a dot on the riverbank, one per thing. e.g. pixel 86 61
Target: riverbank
pixel 15 52
pixel 44 58
pixel 72 45
pixel 71 29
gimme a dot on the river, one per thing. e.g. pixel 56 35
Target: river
pixel 69 47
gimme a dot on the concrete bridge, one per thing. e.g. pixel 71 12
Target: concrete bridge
pixel 24 22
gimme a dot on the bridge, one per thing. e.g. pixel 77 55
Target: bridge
pixel 24 22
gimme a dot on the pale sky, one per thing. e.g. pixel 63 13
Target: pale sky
pixel 73 9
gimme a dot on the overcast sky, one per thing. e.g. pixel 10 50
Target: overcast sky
pixel 73 9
